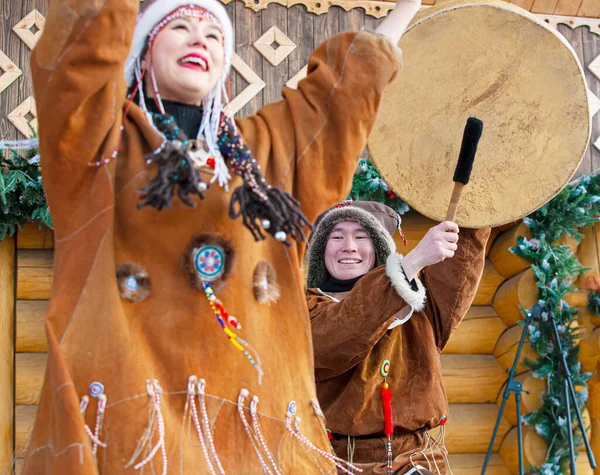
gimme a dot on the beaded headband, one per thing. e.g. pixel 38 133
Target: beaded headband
pixel 189 11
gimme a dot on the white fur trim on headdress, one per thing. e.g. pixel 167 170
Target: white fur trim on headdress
pixel 159 10
pixel 395 272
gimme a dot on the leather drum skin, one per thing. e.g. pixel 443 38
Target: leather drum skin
pixel 501 64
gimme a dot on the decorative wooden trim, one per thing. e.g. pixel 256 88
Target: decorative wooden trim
pixel 18 117
pixel 594 103
pixel 23 28
pixel 597 144
pixel 572 22
pixel 11 72
pixel 594 67
pixel 255 85
pixel 274 55
pixel 299 76
pixel 7 322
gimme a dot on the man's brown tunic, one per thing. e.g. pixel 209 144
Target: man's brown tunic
pixel 351 340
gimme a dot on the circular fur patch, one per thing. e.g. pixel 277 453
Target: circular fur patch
pixel 133 282
pixel 209 258
pixel 264 283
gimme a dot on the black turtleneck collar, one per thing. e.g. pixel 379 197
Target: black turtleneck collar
pixel 187 116
pixel 335 285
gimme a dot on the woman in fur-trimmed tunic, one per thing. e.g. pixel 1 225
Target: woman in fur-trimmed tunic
pixel 369 306
pixel 177 342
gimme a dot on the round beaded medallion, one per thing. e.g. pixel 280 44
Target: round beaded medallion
pixel 96 389
pixel 131 283
pixel 209 262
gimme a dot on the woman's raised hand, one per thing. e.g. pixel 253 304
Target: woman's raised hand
pixel 439 243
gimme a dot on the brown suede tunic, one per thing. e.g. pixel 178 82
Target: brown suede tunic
pixel 351 340
pixel 307 144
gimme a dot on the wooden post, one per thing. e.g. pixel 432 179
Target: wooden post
pixel 7 353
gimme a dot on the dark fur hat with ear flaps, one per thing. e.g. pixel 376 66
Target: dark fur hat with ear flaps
pixel 378 220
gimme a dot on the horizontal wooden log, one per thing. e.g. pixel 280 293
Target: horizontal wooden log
pixel 470 426
pixel 518 291
pixel 507 263
pixel 534 449
pixel 471 378
pixel 577 299
pixel 31 333
pixel 593 407
pixel 34 275
pixel 506 349
pixel 589 350
pixel 589 257
pixel 471 464
pixel 477 334
pixel 24 419
pixel 31 237
pixel 29 377
pixel 587 318
pixel 531 397
pixel 568 241
pixel 490 281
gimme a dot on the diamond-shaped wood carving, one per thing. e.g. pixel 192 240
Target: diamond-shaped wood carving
pixel 19 119
pixel 10 72
pixel 255 85
pixel 274 36
pixel 594 67
pixel 24 28
pixel 299 76
pixel 594 103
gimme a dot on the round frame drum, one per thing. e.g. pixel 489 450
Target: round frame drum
pixel 496 62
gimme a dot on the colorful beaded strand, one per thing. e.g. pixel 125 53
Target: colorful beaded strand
pixel 240 407
pixel 258 431
pixel 83 404
pixel 295 431
pixel 206 425
pixel 236 341
pixel 193 380
pixel 99 422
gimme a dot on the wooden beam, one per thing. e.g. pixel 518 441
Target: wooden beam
pixel 31 333
pixel 490 281
pixel 507 263
pixel 477 334
pixel 471 378
pixel 518 291
pixel 471 464
pixel 534 449
pixel 469 428
pixel 567 7
pixel 34 277
pixel 31 237
pixel 7 330
pixel 506 349
pixel 29 377
pixel 24 419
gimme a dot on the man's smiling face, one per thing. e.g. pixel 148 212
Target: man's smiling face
pixel 349 252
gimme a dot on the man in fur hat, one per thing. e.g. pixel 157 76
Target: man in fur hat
pixel 380 320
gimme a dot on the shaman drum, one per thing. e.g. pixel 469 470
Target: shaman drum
pixel 499 63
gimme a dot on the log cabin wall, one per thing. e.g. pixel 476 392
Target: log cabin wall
pixel 475 360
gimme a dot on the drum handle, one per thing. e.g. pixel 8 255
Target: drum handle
pixel 451 214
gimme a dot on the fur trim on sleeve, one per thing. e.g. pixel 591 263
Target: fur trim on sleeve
pixel 394 270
